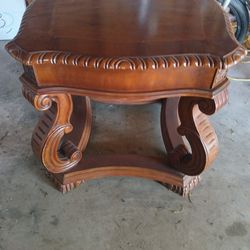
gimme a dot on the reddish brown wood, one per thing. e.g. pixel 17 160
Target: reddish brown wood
pixel 187 116
pixel 125 52
pixel 126 165
pixel 99 43
pixel 131 98
pixel 192 122
pixel 170 121
pixel 60 117
pixel 99 31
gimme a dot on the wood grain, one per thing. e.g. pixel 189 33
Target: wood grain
pixel 125 52
pixel 55 123
pixel 126 165
pixel 113 34
pixel 195 126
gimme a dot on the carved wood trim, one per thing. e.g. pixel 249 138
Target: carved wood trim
pixel 198 131
pixel 53 125
pixel 189 184
pixel 128 63
pixel 61 125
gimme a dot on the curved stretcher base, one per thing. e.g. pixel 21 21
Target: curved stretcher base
pixel 125 165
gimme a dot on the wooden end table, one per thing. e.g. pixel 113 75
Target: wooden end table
pixel 125 52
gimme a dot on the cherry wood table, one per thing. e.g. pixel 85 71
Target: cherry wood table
pixel 174 52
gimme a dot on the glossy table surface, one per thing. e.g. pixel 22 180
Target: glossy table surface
pixel 125 28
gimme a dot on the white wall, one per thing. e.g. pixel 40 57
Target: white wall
pixel 11 12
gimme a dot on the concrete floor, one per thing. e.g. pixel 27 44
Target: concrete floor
pixel 122 213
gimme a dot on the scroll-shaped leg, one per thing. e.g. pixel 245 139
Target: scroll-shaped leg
pixel 195 126
pixel 170 122
pixel 81 120
pixel 54 141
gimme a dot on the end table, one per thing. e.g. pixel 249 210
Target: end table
pixel 125 52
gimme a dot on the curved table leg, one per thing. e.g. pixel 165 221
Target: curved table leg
pixel 169 123
pixel 81 120
pixel 191 122
pixel 54 140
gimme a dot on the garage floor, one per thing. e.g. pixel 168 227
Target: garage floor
pixel 122 213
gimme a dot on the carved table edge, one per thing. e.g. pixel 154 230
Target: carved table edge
pixel 126 63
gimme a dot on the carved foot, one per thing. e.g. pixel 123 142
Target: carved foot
pixel 190 182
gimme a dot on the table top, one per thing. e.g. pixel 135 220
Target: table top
pixel 136 31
